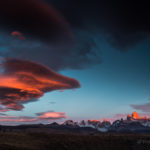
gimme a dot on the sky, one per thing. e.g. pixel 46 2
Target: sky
pixel 73 60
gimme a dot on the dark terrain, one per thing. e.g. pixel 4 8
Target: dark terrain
pixel 72 137
pixel 44 141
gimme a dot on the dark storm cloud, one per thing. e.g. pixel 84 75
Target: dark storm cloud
pixel 124 23
pixel 33 30
pixel 33 18
pixel 80 55
pixel 25 81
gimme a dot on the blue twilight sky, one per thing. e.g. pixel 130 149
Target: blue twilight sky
pixel 103 45
pixel 122 79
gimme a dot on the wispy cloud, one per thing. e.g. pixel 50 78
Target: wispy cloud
pixel 142 107
pixel 44 117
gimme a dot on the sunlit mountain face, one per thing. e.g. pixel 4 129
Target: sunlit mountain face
pixel 71 60
pixel 135 115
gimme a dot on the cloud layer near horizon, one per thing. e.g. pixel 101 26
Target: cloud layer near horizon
pixel 44 117
pixel 25 81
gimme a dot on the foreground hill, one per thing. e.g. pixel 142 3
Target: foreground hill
pixel 43 141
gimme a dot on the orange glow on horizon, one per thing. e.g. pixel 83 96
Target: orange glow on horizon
pixel 96 121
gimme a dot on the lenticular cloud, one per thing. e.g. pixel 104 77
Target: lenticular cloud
pixel 25 81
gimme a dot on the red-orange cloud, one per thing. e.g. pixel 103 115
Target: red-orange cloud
pixel 51 115
pixel 24 81
pixel 18 34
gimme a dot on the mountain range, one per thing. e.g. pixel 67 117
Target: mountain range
pixel 132 124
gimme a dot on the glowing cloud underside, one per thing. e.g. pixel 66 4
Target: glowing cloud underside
pixel 24 81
